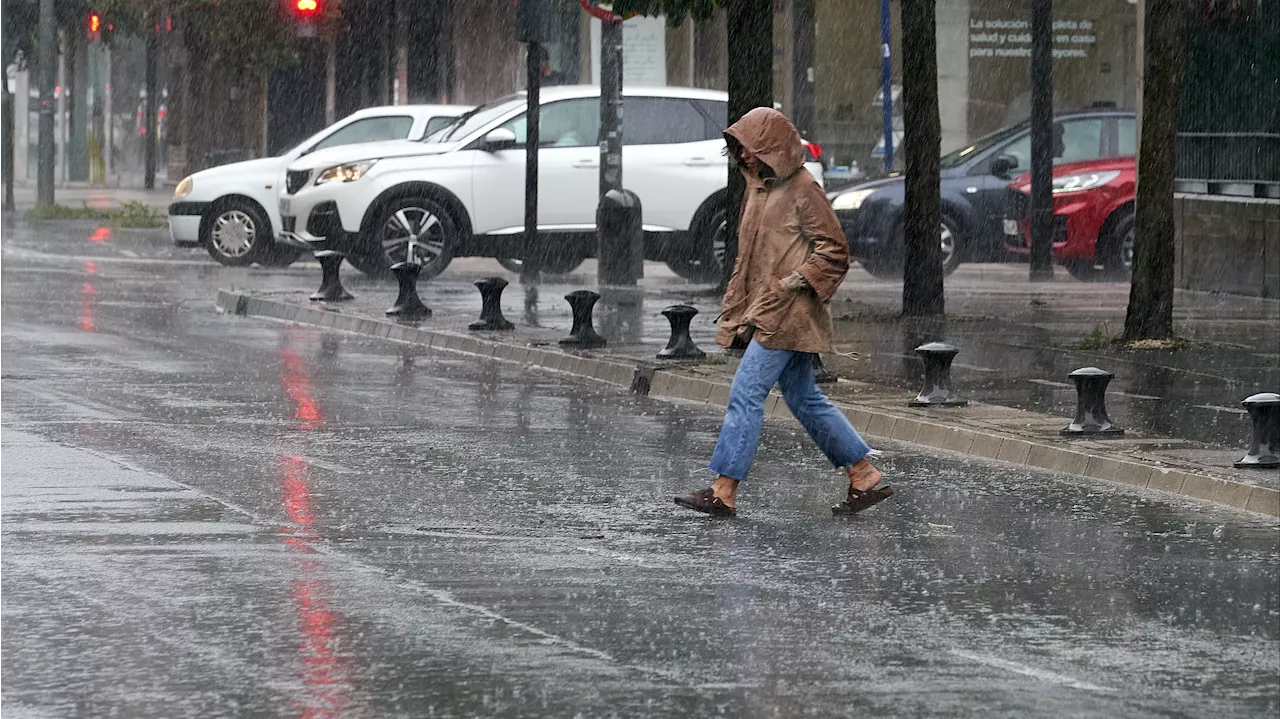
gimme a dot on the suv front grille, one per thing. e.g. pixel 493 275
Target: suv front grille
pixel 295 180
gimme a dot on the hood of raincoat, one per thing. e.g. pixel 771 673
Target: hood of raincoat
pixel 770 136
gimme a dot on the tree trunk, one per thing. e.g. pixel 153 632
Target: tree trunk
pixel 1150 313
pixel 750 41
pixel 8 156
pixel 922 262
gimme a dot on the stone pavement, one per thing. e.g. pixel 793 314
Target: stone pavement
pixel 100 198
pixel 875 397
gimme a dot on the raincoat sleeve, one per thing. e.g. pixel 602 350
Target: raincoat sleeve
pixel 826 266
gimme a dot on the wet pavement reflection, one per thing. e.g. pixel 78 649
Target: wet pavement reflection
pixel 211 516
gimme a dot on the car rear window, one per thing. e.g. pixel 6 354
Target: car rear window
pixel 663 121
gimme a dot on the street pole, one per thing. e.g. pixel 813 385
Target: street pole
pixel 48 62
pixel 531 269
pixel 610 107
pixel 5 156
pixel 1041 140
pixel 886 80
pixel 149 140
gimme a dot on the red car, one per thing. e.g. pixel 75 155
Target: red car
pixel 1093 218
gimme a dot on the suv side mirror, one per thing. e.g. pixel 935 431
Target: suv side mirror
pixel 1003 165
pixel 499 139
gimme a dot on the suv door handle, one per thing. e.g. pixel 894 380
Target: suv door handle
pixel 697 161
pixel 587 164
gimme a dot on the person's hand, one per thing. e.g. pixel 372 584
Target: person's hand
pixel 795 282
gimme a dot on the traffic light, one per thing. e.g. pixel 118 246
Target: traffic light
pixel 305 15
pixel 95 26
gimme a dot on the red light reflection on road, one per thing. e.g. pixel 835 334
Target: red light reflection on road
pixel 293 377
pixel 100 234
pixel 88 308
pixel 323 672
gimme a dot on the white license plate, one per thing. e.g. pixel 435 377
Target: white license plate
pixel 1011 227
pixel 286 206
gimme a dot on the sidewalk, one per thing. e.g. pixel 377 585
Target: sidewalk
pixel 1010 367
pixel 100 198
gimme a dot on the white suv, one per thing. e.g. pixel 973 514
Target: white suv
pixel 461 191
pixel 231 209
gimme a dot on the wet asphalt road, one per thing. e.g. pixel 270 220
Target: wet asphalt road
pixel 210 516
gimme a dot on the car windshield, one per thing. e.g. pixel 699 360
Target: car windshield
pixel 979 146
pixel 469 122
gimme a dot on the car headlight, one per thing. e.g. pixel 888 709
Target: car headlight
pixel 1084 181
pixel 184 188
pixel 345 173
pixel 851 200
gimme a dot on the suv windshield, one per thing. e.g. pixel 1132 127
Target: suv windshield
pixel 469 122
pixel 979 146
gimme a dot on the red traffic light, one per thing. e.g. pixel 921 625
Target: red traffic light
pixel 306 7
pixel 95 22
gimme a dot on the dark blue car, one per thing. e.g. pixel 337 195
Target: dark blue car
pixel 975 180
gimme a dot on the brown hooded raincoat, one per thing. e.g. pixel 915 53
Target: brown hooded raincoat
pixel 787 226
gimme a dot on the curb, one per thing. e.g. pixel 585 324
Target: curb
pixel 872 421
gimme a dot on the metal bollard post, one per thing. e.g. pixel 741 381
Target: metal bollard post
pixel 583 334
pixel 1091 405
pixel 621 238
pixel 937 390
pixel 681 345
pixel 822 375
pixel 408 305
pixel 331 289
pixel 1264 451
pixel 491 305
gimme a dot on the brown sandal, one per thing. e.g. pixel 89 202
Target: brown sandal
pixel 706 501
pixel 860 499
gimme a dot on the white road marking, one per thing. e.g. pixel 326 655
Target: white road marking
pixel 1041 674
pixel 1216 408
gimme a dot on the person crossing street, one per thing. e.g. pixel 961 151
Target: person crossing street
pixel 792 257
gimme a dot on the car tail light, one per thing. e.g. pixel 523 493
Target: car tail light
pixel 814 152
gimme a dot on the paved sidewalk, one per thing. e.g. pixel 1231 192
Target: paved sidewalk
pixel 874 390
pixel 100 198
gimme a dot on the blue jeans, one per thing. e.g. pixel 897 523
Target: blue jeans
pixel 759 371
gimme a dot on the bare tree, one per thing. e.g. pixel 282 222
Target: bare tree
pixel 922 262
pixel 1150 313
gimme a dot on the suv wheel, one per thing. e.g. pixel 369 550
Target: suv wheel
pixel 890 268
pixel 408 226
pixel 1113 260
pixel 706 261
pixel 238 234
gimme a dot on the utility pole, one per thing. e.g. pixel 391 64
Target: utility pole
pixel 886 82
pixel 5 158
pixel 48 69
pixel 153 92
pixel 610 107
pixel 1041 140
pixel 533 19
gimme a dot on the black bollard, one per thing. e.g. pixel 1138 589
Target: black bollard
pixel 1264 451
pixel 1091 405
pixel 408 305
pixel 331 289
pixel 583 333
pixel 821 374
pixel 681 345
pixel 937 391
pixel 491 305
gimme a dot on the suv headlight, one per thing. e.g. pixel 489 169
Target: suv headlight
pixel 184 188
pixel 851 200
pixel 345 173
pixel 1084 181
